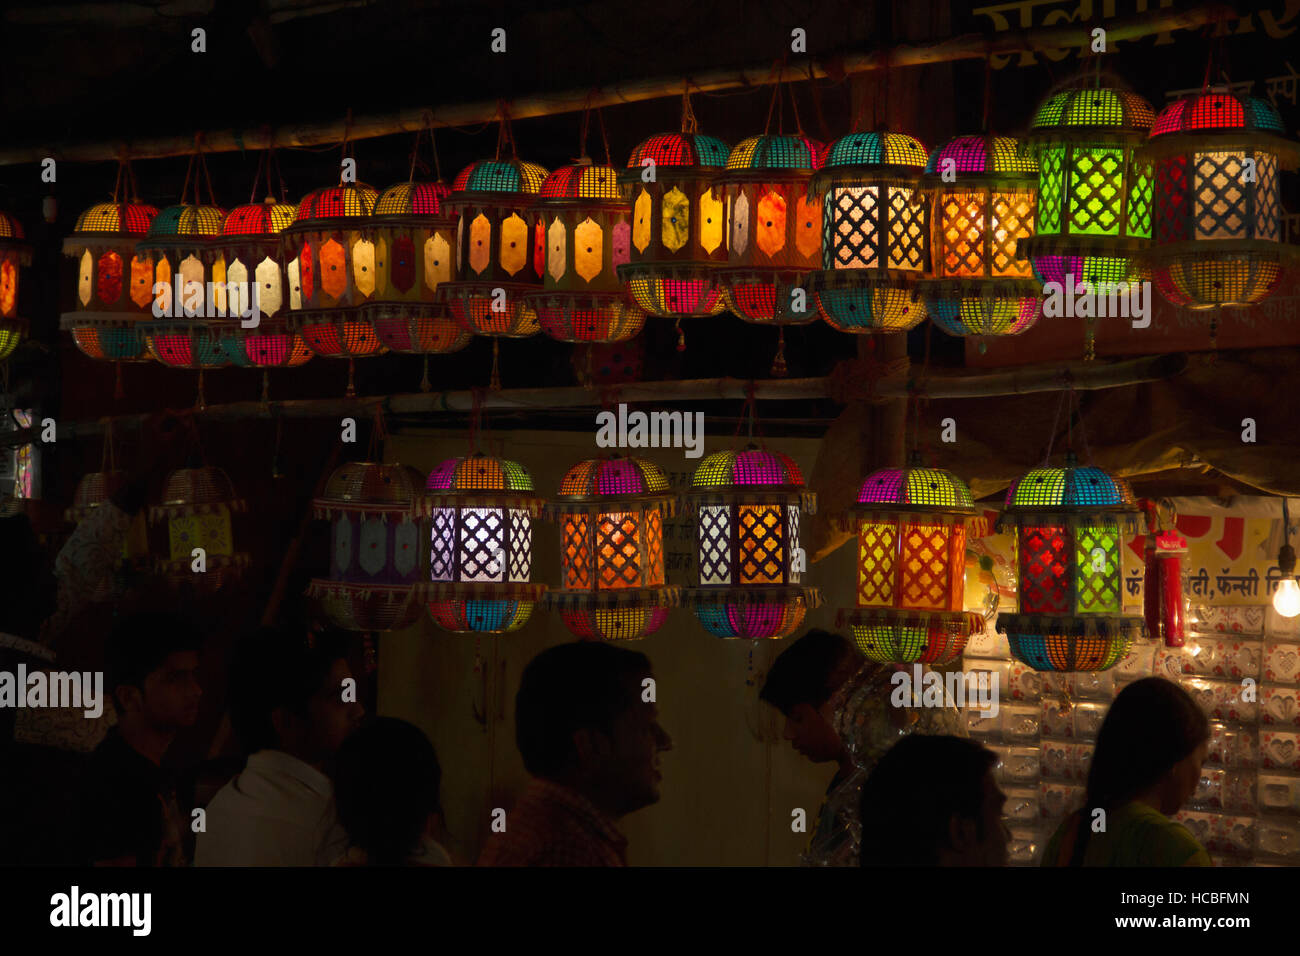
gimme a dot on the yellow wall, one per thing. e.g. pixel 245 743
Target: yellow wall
pixel 730 782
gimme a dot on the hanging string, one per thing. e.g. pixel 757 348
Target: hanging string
pixel 345 149
pixel 201 164
pixel 772 105
pixel 505 134
pixel 106 462
pixel 1056 420
pixel 1083 431
pixel 822 128
pixel 433 148
pixel 988 89
pixel 475 419
pixel 379 433
pixel 425 384
pixel 689 123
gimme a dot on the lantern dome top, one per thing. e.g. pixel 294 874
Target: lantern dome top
pixel 681 150
pixel 10 228
pixel 477 473
pixel 877 149
pixel 753 466
pixel 413 199
pixel 259 219
pixel 1217 111
pixel 198 489
pixel 984 155
pixel 1072 486
pixel 915 488
pixel 92 491
pixel 1090 107
pixel 128 219
pixel 367 485
pixel 500 176
pixel 187 219
pixel 778 151
pixel 344 201
pixel 613 478
pixel 582 181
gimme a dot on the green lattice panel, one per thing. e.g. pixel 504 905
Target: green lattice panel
pixel 1140 200
pixel 1097 561
pixel 1049 190
pixel 1096 190
pixel 877 554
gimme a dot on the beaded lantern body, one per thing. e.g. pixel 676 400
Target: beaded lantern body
pixel 198 505
pixel 499 255
pixel 251 254
pixel 611 514
pixel 331 266
pixel 875 233
pixel 911 526
pixel 1219 234
pixel 979 285
pixel 14 254
pixel 188 317
pixel 481 512
pixel 585 225
pixel 94 490
pixel 747 506
pixel 773 228
pixel 414 234
pixel 1095 191
pixel 1069 524
pixel 114 284
pixel 678 235
pixel 378 542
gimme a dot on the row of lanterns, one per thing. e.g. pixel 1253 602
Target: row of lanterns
pixel 872 234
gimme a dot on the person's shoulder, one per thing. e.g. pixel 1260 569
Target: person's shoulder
pixel 1161 841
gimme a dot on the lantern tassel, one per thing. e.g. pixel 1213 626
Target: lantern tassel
pixel 425 384
pixel 681 336
pixel 352 387
pixel 118 392
pixel 202 402
pixel 779 369
pixel 495 383
pixel 266 386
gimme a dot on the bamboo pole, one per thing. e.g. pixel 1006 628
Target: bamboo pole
pixel 1038 378
pixel 971 46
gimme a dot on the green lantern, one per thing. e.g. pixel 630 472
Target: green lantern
pixel 1095 193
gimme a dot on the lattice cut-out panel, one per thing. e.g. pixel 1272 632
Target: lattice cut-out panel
pixel 1096 190
pixel 1013 220
pixel 908 230
pixel 851 228
pixel 1046 570
pixel 760 544
pixel 653 545
pixel 575 556
pixel 1097 560
pixel 482 544
pixel 1221 196
pixel 714 529
pixel 1140 199
pixel 1268 208
pixel 618 550
pixel 961 227
pixel 925 580
pixel 1051 189
pixel 877 563
pixel 442 554
pixel 792 516
pixel 521 545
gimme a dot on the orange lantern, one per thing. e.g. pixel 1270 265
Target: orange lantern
pixel 611 513
pixel 14 253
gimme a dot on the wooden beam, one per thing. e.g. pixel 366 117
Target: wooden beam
pixel 1084 376
pixel 972 46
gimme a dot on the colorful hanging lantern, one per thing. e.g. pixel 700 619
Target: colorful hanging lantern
pixel 332 271
pixel 377 566
pixel 114 284
pixel 1219 234
pixel 977 285
pixel 875 233
pixel 193 344
pixel 1162 588
pixel 414 234
pixel 1070 524
pixel 678 231
pixel 94 490
pixel 611 513
pixel 773 232
pixel 585 226
pixel 481 512
pixel 1095 198
pixel 747 506
pixel 911 526
pixel 14 253
pixel 197 506
pixel 499 257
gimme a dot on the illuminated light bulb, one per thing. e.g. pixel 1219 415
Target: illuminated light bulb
pixel 1286 600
